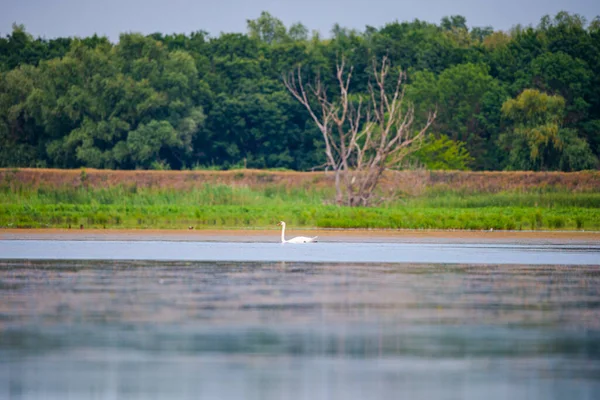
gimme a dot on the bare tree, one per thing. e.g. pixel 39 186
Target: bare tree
pixel 364 134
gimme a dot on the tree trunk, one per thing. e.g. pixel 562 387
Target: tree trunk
pixel 339 197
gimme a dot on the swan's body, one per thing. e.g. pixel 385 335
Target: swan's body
pixel 298 239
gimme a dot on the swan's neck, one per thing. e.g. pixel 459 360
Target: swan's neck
pixel 282 233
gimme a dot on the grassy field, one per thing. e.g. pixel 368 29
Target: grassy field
pixel 562 203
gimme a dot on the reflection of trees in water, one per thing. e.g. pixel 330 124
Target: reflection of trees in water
pixel 329 309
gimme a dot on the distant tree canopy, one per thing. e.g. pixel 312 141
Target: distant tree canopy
pixel 525 99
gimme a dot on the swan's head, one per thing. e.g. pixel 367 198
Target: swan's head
pixel 281 223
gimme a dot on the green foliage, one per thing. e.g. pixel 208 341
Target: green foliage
pixel 174 101
pixel 468 100
pixel 267 29
pixel 538 140
pixel 442 153
pixel 147 140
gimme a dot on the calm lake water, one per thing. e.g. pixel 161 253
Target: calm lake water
pixel 469 253
pixel 150 320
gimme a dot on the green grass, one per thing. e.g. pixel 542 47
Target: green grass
pixel 220 206
pixel 506 199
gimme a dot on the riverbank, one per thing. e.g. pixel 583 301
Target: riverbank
pixel 325 235
pixel 247 199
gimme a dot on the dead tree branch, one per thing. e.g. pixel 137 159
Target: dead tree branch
pixel 364 134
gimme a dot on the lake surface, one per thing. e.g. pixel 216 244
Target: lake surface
pixel 145 320
pixel 473 253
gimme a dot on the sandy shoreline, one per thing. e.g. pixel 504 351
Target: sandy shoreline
pixel 325 235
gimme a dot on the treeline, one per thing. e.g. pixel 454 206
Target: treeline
pixel 527 99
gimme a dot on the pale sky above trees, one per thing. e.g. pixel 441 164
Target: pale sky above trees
pixel 61 18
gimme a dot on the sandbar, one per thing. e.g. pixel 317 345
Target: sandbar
pixel 325 235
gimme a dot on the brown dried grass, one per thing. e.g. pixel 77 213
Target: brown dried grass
pixel 409 182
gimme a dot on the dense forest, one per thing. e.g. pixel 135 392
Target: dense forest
pixel 527 99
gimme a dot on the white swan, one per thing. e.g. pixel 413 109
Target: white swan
pixel 299 239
